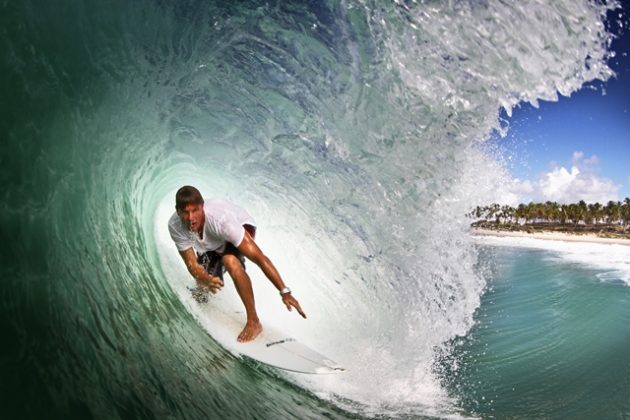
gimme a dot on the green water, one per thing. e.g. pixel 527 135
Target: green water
pixel 551 342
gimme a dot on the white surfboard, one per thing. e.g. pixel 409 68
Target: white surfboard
pixel 271 347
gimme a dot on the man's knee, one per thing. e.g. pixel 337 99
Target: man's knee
pixel 233 265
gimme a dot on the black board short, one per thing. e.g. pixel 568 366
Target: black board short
pixel 212 261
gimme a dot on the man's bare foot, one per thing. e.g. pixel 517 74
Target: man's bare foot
pixel 250 331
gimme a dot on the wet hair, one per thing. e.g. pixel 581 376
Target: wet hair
pixel 187 195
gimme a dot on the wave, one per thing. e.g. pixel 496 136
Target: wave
pixel 350 130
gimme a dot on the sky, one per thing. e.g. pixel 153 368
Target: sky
pixel 579 147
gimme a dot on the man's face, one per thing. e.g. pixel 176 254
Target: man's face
pixel 192 216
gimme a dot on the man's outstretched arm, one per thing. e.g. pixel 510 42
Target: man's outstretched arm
pixel 197 271
pixel 249 249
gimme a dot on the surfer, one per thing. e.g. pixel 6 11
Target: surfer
pixel 215 235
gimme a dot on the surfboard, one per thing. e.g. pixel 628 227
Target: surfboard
pixel 272 347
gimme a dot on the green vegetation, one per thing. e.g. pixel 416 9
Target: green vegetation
pixel 613 219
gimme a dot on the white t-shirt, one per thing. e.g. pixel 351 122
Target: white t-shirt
pixel 224 223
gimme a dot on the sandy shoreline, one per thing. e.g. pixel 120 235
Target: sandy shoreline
pixel 554 236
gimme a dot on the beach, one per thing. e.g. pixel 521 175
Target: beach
pixel 554 236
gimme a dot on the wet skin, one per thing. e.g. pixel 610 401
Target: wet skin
pixel 193 217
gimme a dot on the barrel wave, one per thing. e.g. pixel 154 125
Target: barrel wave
pixel 350 130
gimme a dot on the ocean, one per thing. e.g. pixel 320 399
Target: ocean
pixel 354 132
pixel 552 333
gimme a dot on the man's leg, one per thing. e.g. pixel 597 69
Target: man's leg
pixel 234 263
pixel 243 285
pixel 211 262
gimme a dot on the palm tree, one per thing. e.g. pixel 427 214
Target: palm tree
pixel 521 213
pixel 562 214
pixel 626 212
pixel 507 212
pixel 582 211
pixel 594 213
pixel 573 213
pixel 612 212
pixel 552 211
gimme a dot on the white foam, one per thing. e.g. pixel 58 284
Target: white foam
pixel 612 259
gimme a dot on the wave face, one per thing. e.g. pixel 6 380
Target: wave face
pixel 349 129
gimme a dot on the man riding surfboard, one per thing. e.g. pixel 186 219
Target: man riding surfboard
pixel 214 236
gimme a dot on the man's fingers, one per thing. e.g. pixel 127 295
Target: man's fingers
pixel 299 309
pixel 216 282
pixel 293 302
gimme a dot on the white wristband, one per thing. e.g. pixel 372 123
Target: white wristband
pixel 284 291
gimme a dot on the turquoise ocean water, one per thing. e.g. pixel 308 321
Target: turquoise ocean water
pixel 351 131
pixel 552 334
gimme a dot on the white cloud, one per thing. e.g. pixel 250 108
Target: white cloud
pixel 523 187
pixel 592 162
pixel 513 192
pixel 583 186
pixel 581 182
pixel 557 182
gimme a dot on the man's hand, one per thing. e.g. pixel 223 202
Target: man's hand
pixel 204 279
pixel 249 248
pixel 215 284
pixel 290 301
